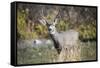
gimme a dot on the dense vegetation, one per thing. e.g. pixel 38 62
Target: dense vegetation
pixel 82 19
pixel 47 54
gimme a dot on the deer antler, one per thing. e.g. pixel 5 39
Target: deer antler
pixel 43 20
pixel 56 15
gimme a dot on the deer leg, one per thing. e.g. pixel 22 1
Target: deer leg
pixel 62 55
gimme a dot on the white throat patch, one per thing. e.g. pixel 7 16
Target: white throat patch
pixel 53 29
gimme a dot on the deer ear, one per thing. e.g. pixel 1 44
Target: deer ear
pixel 55 21
pixel 42 21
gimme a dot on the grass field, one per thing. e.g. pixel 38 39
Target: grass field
pixel 48 54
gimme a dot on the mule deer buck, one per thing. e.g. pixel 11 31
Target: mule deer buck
pixel 66 43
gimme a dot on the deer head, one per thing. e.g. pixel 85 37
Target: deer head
pixel 50 24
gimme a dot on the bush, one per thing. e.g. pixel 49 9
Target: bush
pixel 87 30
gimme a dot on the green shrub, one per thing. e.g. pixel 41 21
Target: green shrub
pixel 87 30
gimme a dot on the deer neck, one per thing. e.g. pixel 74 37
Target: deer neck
pixel 54 37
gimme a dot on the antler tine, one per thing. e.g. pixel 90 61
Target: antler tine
pixel 55 19
pixel 57 15
pixel 42 15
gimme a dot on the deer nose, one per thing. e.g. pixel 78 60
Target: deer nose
pixel 49 29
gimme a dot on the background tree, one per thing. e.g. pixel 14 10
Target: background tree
pixel 82 19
